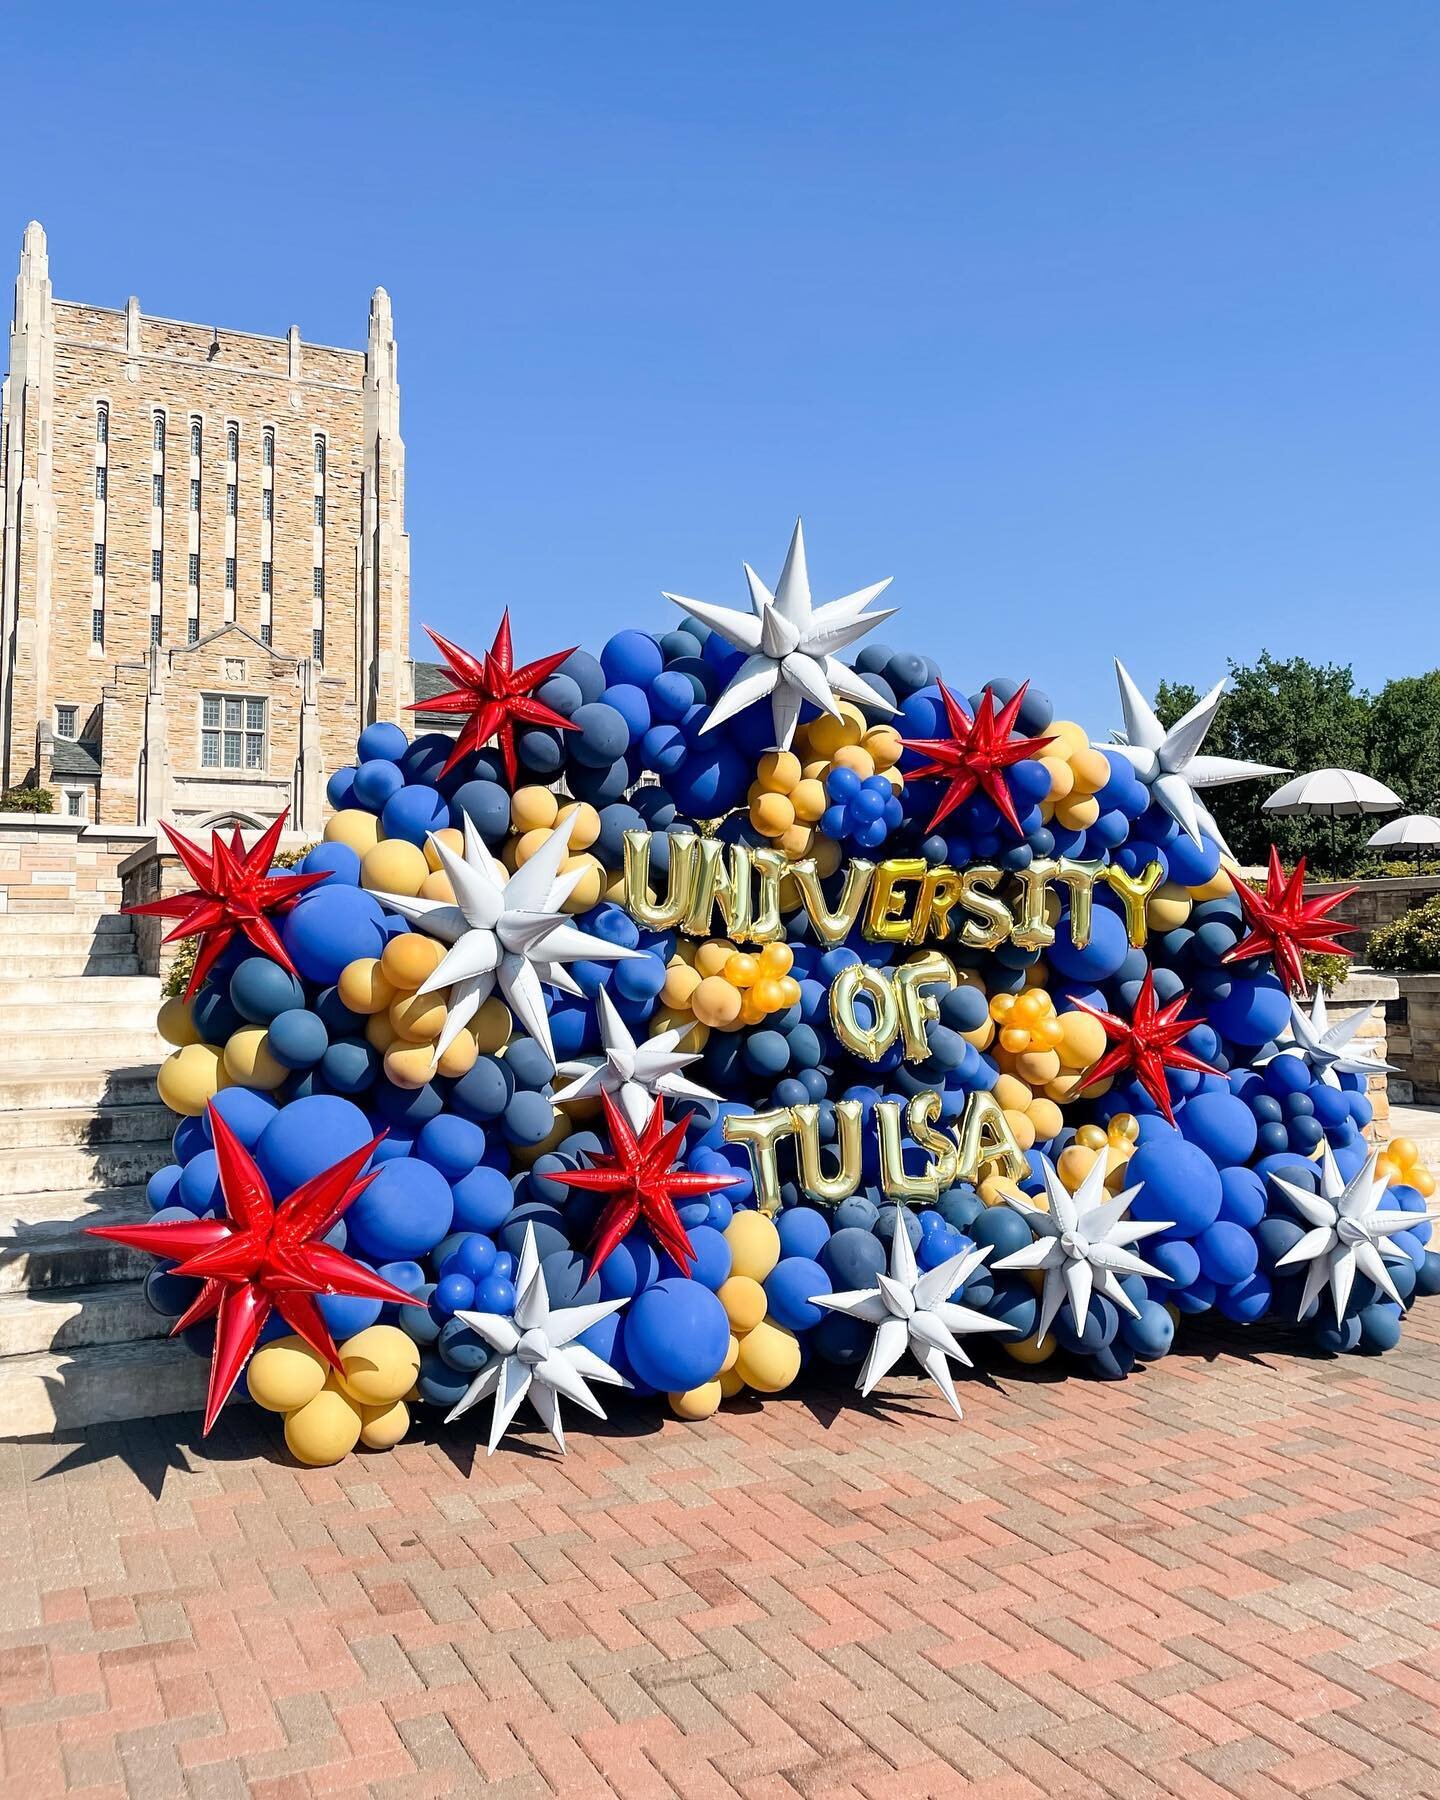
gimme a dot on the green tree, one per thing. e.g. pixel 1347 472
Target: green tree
pixel 1404 740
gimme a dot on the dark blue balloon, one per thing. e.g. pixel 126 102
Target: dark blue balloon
pixel 345 1314
pixel 297 1038
pixel 1151 1334
pixel 487 805
pixel 1179 1184
pixel 1242 1199
pixel 789 1288
pixel 260 989
pixel 1253 1012
pixel 1175 1258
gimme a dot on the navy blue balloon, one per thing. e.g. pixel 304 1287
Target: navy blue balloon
pixel 676 1335
pixel 1001 1228
pixel 631 1266
pixel 260 988
pixel 853 1257
pixel 789 1288
pixel 1247 1300
pixel 437 1382
pixel 1152 1333
pixel 297 1038
pixel 350 1065
pixel 462 1348
pixel 486 804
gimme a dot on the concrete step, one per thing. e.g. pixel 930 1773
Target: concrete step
pixel 43 1242
pixel 23 1050
pixel 41 1086
pixel 51 964
pixel 69 1318
pixel 50 1169
pixel 51 1391
pixel 68 919
pixel 20 991
pixel 84 1127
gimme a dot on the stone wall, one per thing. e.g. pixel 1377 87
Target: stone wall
pixel 1415 1035
pixel 60 866
pixel 1360 990
pixel 1376 902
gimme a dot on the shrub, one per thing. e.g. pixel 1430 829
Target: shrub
pixel 27 800
pixel 1326 971
pixel 1410 942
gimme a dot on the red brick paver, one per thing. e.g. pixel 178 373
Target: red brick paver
pixel 1221 1577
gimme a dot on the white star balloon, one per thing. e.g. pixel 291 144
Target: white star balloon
pixel 789 645
pixel 1169 763
pixel 536 1354
pixel 634 1073
pixel 1328 1048
pixel 1082 1244
pixel 506 933
pixel 1348 1232
pixel 914 1311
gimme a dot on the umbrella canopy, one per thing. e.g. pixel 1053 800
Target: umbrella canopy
pixel 1333 793
pixel 1414 828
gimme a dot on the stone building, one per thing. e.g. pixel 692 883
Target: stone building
pixel 204 571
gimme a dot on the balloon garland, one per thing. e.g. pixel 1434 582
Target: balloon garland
pixel 716 1006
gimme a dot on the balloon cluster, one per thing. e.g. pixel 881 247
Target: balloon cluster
pixel 464 975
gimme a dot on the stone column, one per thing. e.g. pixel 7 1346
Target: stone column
pixel 382 649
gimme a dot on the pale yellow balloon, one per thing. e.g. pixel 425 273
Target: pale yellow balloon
pixel 450 838
pixel 699 1403
pixel 587 823
pixel 754 1245
pixel 176 1023
pixel 1169 906
pixel 1019 1123
pixel 681 981
pixel 409 1066
pixel 715 1002
pixel 491 1027
pixel 460 1057
pixel 1078 812
pixel 357 829
pixel 438 886
pixel 533 808
pixel 731 1383
pixel 769 1358
pixel 383 1427
pixel 381 1365
pixel 325 1429
pixel 190 1078
pixel 1011 1094
pixel 1084 1040
pixel 588 889
pixel 285 1374
pixel 1091 769
pixel 364 987
pixel 394 866
pixel 730 1354
pixel 1046 1119
pixel 248 1061
pixel 744 1301
pixel 712 956
pixel 409 959
pixel 379 1032
pixel 1027 1351
pixel 418 1018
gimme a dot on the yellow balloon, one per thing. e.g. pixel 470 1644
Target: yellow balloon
pixel 754 1245
pixel 325 1429
pixel 1075 1163
pixel 437 886
pixel 731 1384
pixel 364 986
pixel 769 1358
pixel 533 808
pixel 777 771
pixel 248 1061
pixel 418 1017
pixel 379 1032
pixel 357 829
pixel 381 1365
pixel 1084 1040
pixel 409 959
pixel 587 890
pixel 1028 1351
pixel 730 1354
pixel 699 1403
pixel 285 1374
pixel 461 1055
pixel 712 956
pixel 1045 1118
pixel 772 814
pixel 744 1302
pixel 587 823
pixel 395 866
pixel 191 1077
pixel 176 1023
pixel 681 982
pixel 450 838
pixel 715 1002
pixel 382 1427
pixel 409 1065
pixel 491 1026
pixel 1169 906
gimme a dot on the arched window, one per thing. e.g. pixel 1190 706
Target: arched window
pixel 319 456
pixel 102 424
pixel 232 441
pixel 159 437
pixel 195 439
pixel 267 448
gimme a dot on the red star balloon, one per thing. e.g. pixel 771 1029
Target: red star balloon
pixel 495 696
pixel 234 891
pixel 1148 1043
pixel 262 1255
pixel 976 754
pixel 1285 926
pixel 643 1182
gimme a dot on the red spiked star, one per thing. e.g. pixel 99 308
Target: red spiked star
pixel 494 694
pixel 642 1180
pixel 262 1255
pixel 977 753
pixel 1148 1043
pixel 234 891
pixel 1285 926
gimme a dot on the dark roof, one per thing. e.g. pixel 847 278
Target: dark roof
pixel 72 757
pixel 431 679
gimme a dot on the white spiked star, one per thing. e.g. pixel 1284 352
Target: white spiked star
pixel 914 1311
pixel 506 933
pixel 1326 1047
pixel 634 1073
pixel 1348 1232
pixel 1169 763
pixel 789 645
pixel 1082 1245
pixel 537 1355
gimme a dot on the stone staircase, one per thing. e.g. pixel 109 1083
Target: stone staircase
pixel 81 1130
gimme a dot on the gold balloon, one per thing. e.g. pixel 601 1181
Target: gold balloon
pixel 883 921
pixel 870 1041
pixel 699 1403
pixel 917 1009
pixel 655 914
pixel 988 1143
pixel 761 1133
pixel 381 1364
pixel 976 897
pixel 895 1181
pixel 830 1190
pixel 833 927
pixel 1134 891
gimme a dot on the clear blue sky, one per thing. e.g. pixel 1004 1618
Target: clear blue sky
pixel 1102 328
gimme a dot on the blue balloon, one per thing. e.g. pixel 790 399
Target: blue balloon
pixel 332 926
pixel 451 1145
pixel 382 741
pixel 308 1136
pixel 481 1200
pixel 803 1230
pixel 404 1212
pixel 1252 1012
pixel 632 657
pixel 1151 1334
pixel 1179 1184
pixel 789 1288
pixel 1242 1199
pixel 340 788
pixel 462 1348
pixel 1175 1258
pixel 1247 1300
pixel 676 1335
pixel 1228 1253
pixel 631 1266
pixel 160 1189
pixel 260 989
pixel 198 1189
pixel 337 862
pixel 345 1314
pixel 1100 958
pixel 1220 1125
pixel 854 1256
pixel 712 1257
pixel 437 1382
pixel 375 781
pixel 350 1065
pixel 1001 1228
pixel 297 1038
pixel 414 813
pixel 243 1110
pixel 486 804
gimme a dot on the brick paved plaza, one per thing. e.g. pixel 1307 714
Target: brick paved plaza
pixel 1219 1578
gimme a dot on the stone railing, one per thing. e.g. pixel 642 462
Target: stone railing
pixel 1363 987
pixel 1414 1035
pixel 53 864
pixel 1377 902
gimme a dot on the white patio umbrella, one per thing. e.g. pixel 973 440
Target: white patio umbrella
pixel 1333 794
pixel 1418 830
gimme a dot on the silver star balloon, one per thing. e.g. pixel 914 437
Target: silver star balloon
pixel 1169 763
pixel 789 645
pixel 1328 1048
pixel 914 1311
pixel 536 1354
pixel 634 1073
pixel 1082 1245
pixel 510 934
pixel 1348 1232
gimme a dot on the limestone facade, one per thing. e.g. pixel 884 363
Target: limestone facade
pixel 204 571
